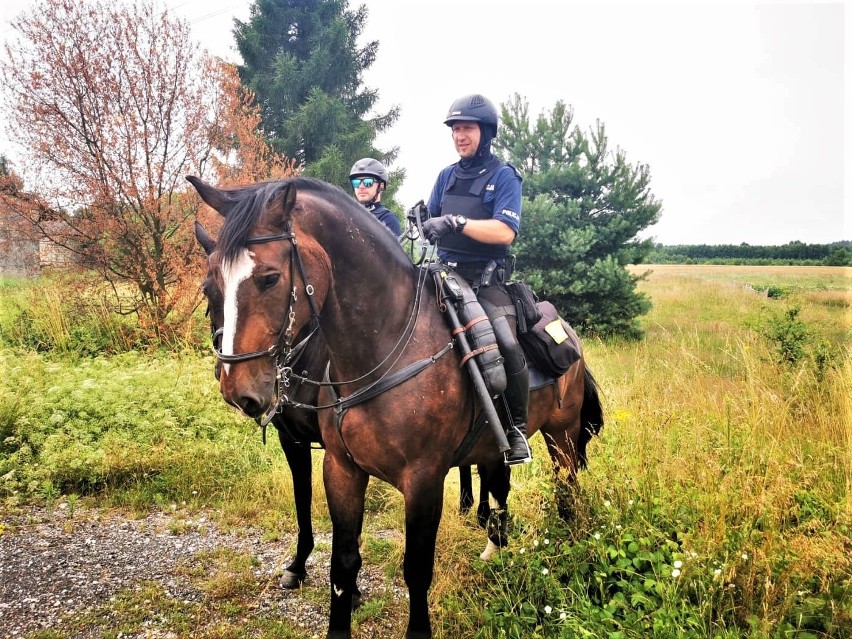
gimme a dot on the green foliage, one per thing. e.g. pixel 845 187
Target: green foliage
pixel 840 256
pixel 583 207
pixel 50 317
pixel 719 460
pixel 65 316
pixel 788 335
pixel 304 65
pixel 118 423
pixel 634 568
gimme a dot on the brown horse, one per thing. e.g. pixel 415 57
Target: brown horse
pixel 298 429
pixel 397 405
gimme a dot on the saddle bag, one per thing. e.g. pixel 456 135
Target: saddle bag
pixel 551 345
pixel 525 302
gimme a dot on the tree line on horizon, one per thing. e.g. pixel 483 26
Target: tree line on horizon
pixel 800 253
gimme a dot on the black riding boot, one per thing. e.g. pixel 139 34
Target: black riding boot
pixel 518 398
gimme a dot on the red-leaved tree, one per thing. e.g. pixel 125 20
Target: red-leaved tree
pixel 114 105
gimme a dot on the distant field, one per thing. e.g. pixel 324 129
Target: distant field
pixel 804 277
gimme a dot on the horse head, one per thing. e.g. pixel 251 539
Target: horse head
pixel 258 294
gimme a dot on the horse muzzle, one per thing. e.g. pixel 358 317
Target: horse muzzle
pixel 253 395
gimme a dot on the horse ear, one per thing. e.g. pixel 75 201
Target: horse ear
pixel 207 242
pixel 284 199
pixel 215 198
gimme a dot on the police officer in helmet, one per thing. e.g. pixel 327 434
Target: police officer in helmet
pixel 475 209
pixel 369 178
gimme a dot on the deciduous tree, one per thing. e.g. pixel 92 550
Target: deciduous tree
pixel 115 105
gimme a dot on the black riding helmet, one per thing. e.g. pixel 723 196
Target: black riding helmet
pixel 474 108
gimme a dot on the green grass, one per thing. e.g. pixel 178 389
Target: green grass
pixel 716 504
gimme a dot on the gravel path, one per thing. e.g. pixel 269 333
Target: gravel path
pixel 55 566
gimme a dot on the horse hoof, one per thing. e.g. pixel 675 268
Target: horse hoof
pixel 291 580
pixel 489 551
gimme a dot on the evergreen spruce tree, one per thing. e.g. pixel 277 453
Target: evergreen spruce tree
pixel 583 206
pixel 302 61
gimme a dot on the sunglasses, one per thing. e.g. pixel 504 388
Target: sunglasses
pixel 367 182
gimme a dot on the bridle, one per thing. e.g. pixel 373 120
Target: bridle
pixel 285 335
pixel 284 352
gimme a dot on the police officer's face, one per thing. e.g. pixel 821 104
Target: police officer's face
pixel 466 138
pixel 365 194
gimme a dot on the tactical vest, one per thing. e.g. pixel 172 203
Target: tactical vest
pixel 464 197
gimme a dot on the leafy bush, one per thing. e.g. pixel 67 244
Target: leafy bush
pixel 109 423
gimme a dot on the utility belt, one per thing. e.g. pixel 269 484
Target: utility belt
pixel 481 274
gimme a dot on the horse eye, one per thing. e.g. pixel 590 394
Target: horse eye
pixel 268 281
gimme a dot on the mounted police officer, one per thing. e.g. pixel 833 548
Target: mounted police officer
pixel 369 178
pixel 475 209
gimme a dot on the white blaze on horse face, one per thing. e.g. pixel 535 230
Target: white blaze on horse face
pixel 234 273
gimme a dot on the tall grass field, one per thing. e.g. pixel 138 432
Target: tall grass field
pixel 716 502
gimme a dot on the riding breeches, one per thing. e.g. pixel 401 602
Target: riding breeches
pixel 494 300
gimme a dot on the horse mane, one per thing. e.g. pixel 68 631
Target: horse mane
pixel 250 201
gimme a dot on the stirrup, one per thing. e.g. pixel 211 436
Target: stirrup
pixel 509 461
pixel 514 456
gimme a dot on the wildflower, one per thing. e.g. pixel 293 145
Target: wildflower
pixel 535 544
pixel 562 615
pixel 717 573
pixel 548 609
pixel 544 571
pixel 678 564
pixel 630 502
pixel 546 542
pixel 745 555
pixel 597 535
pixel 523 550
pixel 618 527
pixel 607 503
pixel 675 573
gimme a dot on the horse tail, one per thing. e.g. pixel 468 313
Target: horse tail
pixel 591 415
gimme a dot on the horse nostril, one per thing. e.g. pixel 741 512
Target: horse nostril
pixel 250 406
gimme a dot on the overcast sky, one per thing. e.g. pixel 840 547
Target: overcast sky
pixel 737 107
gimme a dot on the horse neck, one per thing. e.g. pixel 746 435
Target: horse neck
pixel 369 302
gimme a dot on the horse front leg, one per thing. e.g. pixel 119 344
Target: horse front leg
pixel 424 502
pixel 299 459
pixel 345 487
